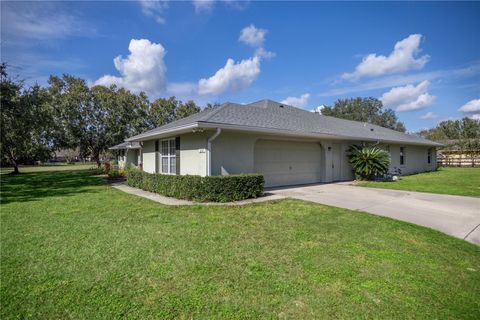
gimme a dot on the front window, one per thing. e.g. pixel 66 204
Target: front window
pixel 402 156
pixel 429 156
pixel 168 157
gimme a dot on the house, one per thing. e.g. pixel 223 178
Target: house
pixel 128 152
pixel 287 145
pixel 66 155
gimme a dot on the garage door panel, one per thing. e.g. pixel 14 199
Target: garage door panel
pixel 288 162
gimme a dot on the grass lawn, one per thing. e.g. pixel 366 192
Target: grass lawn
pixel 455 181
pixel 50 167
pixel 72 247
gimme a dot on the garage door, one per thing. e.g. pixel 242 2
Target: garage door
pixel 287 162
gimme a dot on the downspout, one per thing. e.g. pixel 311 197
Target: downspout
pixel 209 151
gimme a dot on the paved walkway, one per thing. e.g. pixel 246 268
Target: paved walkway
pixel 177 202
pixel 454 215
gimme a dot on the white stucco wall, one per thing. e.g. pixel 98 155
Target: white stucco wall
pixel 193 159
pixel 148 150
pixel 415 159
pixel 130 156
pixel 234 153
pixel 346 172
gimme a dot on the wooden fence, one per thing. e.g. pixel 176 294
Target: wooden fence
pixel 458 158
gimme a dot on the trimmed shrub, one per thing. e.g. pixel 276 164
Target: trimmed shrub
pixel 197 188
pixel 115 173
pixel 369 162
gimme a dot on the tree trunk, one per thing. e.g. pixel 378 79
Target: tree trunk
pixel 13 160
pixel 96 156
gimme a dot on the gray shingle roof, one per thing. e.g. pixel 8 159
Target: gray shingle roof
pixel 268 114
pixel 126 145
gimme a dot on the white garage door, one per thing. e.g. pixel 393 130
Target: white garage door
pixel 287 162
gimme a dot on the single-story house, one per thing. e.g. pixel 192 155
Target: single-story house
pixel 287 145
pixel 128 152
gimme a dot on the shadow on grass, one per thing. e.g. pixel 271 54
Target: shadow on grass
pixel 34 186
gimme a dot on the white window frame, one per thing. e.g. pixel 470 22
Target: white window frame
pixel 429 156
pixel 170 146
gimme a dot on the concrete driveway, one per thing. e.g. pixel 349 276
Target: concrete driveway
pixel 454 215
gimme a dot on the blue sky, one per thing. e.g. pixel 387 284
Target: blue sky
pixel 421 59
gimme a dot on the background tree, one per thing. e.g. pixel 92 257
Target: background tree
pixel 369 110
pixel 454 131
pixel 463 135
pixel 69 98
pixel 163 111
pixel 212 105
pixel 25 122
pixel 186 109
pixel 96 118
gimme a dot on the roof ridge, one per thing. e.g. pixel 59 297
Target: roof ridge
pixel 214 112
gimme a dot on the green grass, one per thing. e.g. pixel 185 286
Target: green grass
pixel 454 181
pixel 74 248
pixel 50 167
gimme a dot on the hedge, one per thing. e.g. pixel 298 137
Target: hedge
pixel 197 188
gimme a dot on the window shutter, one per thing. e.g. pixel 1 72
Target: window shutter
pixel 177 154
pixel 156 156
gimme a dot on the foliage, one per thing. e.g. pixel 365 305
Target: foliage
pixel 25 122
pixel 106 167
pixel 163 111
pixel 75 248
pixel 96 118
pixel 115 173
pixel 210 188
pixel 454 132
pixel 369 110
pixel 212 105
pixel 463 134
pixel 186 109
pixel 369 162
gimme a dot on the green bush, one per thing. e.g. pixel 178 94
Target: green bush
pixel 115 173
pixel 197 188
pixel 369 162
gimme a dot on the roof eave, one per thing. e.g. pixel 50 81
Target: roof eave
pixel 163 133
pixel 306 134
pixel 212 125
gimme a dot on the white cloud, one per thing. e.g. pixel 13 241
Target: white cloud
pixel 237 5
pixel 233 77
pixel 402 58
pixel 236 76
pixel 143 69
pixel 475 116
pixel 264 54
pixel 318 109
pixel 155 9
pixel 38 21
pixel 429 115
pixel 400 80
pixel 252 36
pixel 471 106
pixel 299 102
pixel 203 5
pixel 409 97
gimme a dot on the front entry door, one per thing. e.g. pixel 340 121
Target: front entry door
pixel 336 162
